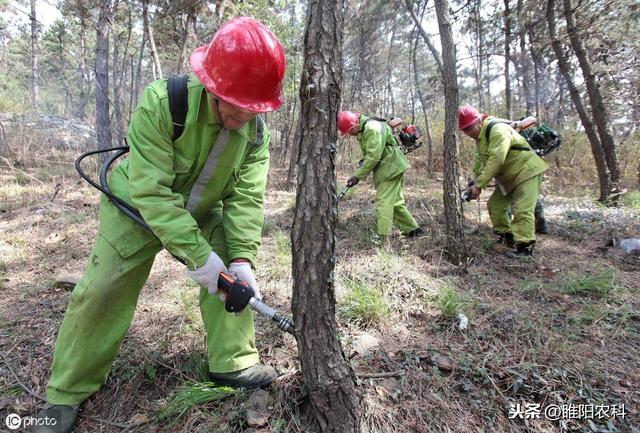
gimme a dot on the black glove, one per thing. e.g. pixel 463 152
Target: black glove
pixel 353 181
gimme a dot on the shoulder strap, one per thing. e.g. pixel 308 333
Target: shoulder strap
pixel 259 131
pixel 488 131
pixel 379 119
pixel 178 103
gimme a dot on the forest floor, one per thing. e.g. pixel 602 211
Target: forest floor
pixel 552 343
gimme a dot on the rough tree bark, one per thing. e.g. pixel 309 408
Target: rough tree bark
pixel 563 65
pixel 423 104
pixel 598 109
pixel 452 202
pixel 103 122
pixel 34 57
pixel 330 381
pixel 82 66
pixel 148 30
pixel 507 58
pixel 190 21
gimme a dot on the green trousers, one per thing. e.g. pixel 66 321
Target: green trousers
pixel 391 209
pixel 522 201
pixel 100 312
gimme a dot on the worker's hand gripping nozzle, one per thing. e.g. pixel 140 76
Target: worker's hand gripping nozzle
pixel 239 294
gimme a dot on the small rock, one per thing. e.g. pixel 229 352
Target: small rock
pixel 463 321
pixel 67 280
pixel 629 245
pixel 443 362
pixel 364 344
pixel 259 408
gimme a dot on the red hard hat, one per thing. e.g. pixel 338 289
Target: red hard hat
pixel 467 116
pixel 346 120
pixel 243 65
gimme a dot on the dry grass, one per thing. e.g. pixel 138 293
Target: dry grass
pixel 530 339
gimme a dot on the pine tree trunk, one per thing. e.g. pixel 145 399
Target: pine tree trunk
pixel 598 109
pixel 507 58
pixel 329 379
pixel 423 104
pixel 103 122
pixel 148 30
pixel 34 58
pixel 82 82
pixel 563 66
pixel 452 202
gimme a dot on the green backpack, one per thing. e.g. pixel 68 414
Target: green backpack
pixel 541 137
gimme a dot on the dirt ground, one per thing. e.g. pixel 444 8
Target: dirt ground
pixel 552 343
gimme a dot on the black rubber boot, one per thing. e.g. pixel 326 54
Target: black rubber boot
pixel 505 239
pixel 523 249
pixel 253 377
pixel 541 222
pixel 56 418
pixel 414 233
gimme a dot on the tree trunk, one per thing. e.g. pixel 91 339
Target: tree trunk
pixel 329 379
pixel 480 40
pixel 563 66
pixel 425 36
pixel 537 62
pixel 83 85
pixel 34 58
pixel 452 202
pixel 391 55
pixel 103 122
pixel 295 151
pixel 138 80
pixel 148 30
pixel 423 104
pixel 598 109
pixel 525 65
pixel 507 58
pixel 190 21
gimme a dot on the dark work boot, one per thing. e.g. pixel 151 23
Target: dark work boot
pixel 414 233
pixel 541 222
pixel 523 249
pixel 505 239
pixel 255 376
pixel 56 418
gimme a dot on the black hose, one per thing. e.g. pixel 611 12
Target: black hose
pixel 104 185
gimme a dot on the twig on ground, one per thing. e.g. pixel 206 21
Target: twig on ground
pixel 12 167
pixel 379 375
pixel 22 385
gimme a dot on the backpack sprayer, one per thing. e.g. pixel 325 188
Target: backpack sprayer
pixel 238 293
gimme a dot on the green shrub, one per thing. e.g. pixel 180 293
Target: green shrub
pixel 362 305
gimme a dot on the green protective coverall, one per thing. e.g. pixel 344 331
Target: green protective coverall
pixel 382 155
pixel 202 192
pixel 518 175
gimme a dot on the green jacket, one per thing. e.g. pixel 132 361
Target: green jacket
pixel 208 173
pixel 380 152
pixel 493 159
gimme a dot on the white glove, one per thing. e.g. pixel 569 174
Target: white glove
pixel 207 275
pixel 243 271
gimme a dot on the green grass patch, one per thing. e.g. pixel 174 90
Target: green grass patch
pixel 198 366
pixel 598 285
pixel 189 396
pixel 632 200
pixel 590 315
pixel 363 305
pixel 450 302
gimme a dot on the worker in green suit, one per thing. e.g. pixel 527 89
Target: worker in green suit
pixel 201 194
pixel 382 156
pixel 505 155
